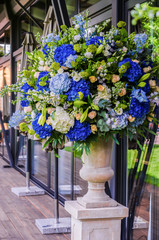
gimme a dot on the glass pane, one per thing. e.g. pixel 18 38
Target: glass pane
pixel 40 163
pixel 21 151
pixel 86 4
pixel 71 7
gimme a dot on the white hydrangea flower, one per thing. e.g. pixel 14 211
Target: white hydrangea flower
pixel 77 26
pixel 88 55
pixel 62 121
pixel 33 115
pixel 119 111
pixel 54 99
pixel 60 71
pixel 106 94
pixel 76 76
pixel 106 51
pixel 77 37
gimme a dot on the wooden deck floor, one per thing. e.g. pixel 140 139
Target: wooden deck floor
pixel 17 215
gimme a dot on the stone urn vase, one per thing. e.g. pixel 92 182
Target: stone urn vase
pixel 97 170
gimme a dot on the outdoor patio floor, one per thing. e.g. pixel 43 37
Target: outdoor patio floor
pixel 18 214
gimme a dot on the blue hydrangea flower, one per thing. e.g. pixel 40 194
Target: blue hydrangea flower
pixel 138 121
pixel 16 118
pixel 62 52
pixel 46 50
pixel 24 102
pixel 60 83
pixel 140 40
pixel 79 132
pixel 146 89
pixel 26 87
pixel 139 94
pixel 70 58
pixel 46 87
pixel 134 72
pixel 121 121
pixel 43 131
pixel 80 86
pixel 95 40
pixel 139 109
pixel 50 37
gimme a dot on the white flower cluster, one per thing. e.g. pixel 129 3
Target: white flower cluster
pixel 76 76
pixel 106 94
pixel 61 120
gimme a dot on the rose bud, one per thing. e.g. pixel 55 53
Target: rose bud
pixel 93 128
pixel 131 119
pixel 100 88
pixel 152 83
pixel 92 114
pixel 65 68
pixel 28 109
pixel 78 116
pixel 115 78
pixel 48 121
pixel 36 75
pixel 123 92
pixel 50 110
pixel 46 68
pixel 146 69
pixel 92 79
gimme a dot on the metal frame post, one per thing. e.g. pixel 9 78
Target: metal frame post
pixel 56 188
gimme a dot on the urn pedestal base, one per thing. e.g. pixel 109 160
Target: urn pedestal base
pixel 95 223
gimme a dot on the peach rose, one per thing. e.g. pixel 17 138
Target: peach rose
pixel 65 68
pixel 93 128
pixel 100 88
pixel 46 68
pixel 50 110
pixel 131 119
pixel 78 116
pixel 146 69
pixel 100 68
pixel 125 49
pixel 135 60
pixel 123 92
pixel 152 83
pixel 115 78
pixel 28 109
pixel 48 121
pixel 92 114
pixel 92 79
pixel 36 75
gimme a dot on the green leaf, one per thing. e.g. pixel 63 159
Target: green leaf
pixel 29 55
pixel 79 103
pixel 48 141
pixel 141 84
pixel 95 107
pixel 144 77
pixel 150 131
pixel 84 115
pixel 140 146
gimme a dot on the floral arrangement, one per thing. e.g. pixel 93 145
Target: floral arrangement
pixel 87 82
pixel 148 15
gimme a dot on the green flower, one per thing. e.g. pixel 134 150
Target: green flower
pixel 31 132
pixel 121 24
pixel 56 66
pixel 91 48
pixel 84 74
pixel 119 44
pixel 23 127
pixel 77 47
pixel 123 69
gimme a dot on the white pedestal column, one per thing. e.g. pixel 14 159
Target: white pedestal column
pixel 95 223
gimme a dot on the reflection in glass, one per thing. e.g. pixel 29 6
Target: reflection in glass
pixel 40 163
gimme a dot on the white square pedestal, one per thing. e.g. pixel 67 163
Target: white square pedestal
pixel 24 191
pixel 66 189
pixel 49 225
pixel 95 223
